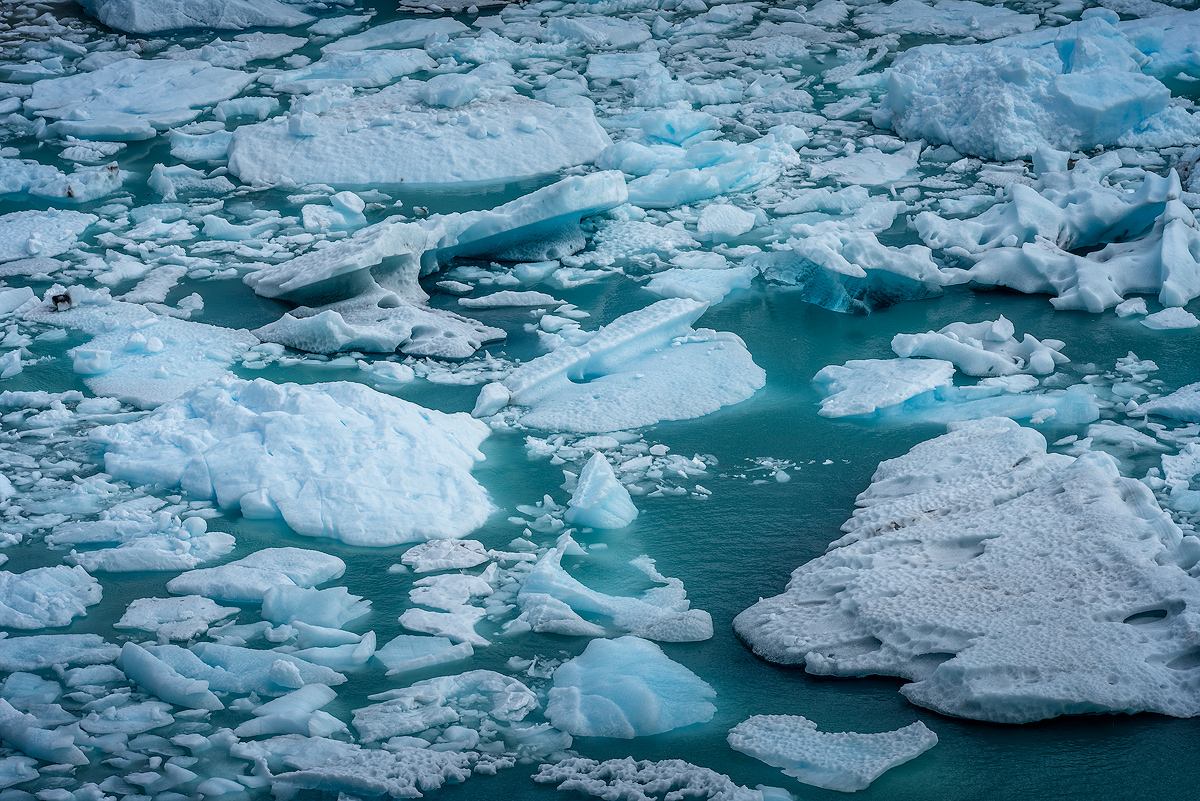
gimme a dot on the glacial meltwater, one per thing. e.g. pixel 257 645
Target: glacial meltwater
pixel 632 399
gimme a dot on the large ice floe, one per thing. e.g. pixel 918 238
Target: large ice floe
pixel 846 761
pixel 333 460
pixel 1006 583
pixel 644 367
pixel 1072 88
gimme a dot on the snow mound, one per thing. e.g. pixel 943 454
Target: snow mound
pixel 961 572
pixel 626 688
pixel 644 367
pixel 845 761
pixel 333 460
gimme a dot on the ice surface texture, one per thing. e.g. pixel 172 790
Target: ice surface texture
pixel 1006 583
pixel 333 460
pixel 845 761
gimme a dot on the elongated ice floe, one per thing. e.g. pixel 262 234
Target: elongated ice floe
pixel 960 571
pixel 249 579
pixel 845 761
pixel 626 688
pixel 644 367
pixel 156 16
pixel 389 138
pixel 333 460
pixel 644 779
pixel 133 99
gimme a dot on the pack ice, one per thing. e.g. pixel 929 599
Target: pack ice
pixel 1005 583
pixel 333 460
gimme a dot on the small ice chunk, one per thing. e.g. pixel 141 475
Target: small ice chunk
pixel 1170 319
pixel 600 500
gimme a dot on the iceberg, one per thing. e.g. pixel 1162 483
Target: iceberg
pixel 960 572
pixel 844 761
pixel 333 460
pixel 626 688
pixel 157 16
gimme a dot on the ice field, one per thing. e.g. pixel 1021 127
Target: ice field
pixel 630 399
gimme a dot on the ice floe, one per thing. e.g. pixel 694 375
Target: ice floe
pixel 247 580
pixel 156 16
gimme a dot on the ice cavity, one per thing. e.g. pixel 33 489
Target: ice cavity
pixel 248 580
pixel 644 367
pixel 626 688
pixel 960 572
pixel 133 99
pixel 1028 241
pixel 1070 88
pixel 552 601
pixel 156 16
pixel 395 137
pixel 369 286
pixel 333 460
pixel 984 349
pixel 844 761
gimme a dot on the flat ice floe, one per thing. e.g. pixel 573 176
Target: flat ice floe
pixel 392 138
pixel 845 761
pixel 626 688
pixel 644 367
pixel 667 780
pixel 156 16
pixel 46 596
pixel 133 99
pixel 249 579
pixel 333 460
pixel 1007 584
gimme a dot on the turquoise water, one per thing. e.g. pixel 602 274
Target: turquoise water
pixel 737 545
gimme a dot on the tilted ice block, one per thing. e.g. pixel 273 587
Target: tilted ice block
pixel 844 761
pixel 134 98
pixel 23 732
pixel 155 16
pixel 960 572
pixel 247 580
pixel 400 32
pixel 333 460
pixel 158 678
pixel 626 688
pixel 600 500
pixel 551 601
pixel 862 386
pixel 983 349
pixel 408 653
pixel 330 608
pixel 1182 404
pixel 458 623
pixel 46 596
pixel 646 366
pixel 370 142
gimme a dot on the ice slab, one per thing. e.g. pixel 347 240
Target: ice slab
pixel 980 602
pixel 136 356
pixel 1182 404
pixel 141 541
pixel 370 141
pixel 402 32
pixel 957 19
pixel 862 386
pixel 844 761
pixel 329 608
pixel 41 651
pixel 708 286
pixel 157 16
pixel 984 349
pixel 248 580
pixel 46 596
pixel 357 69
pixel 408 653
pixel 644 367
pixel 446 554
pixel 133 99
pixel 626 688
pixel 552 601
pixel 183 618
pixel 335 460
pixel 160 679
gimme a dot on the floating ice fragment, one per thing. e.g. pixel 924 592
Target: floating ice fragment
pixel 183 618
pixel 155 16
pixel 863 386
pixel 248 580
pixel 600 500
